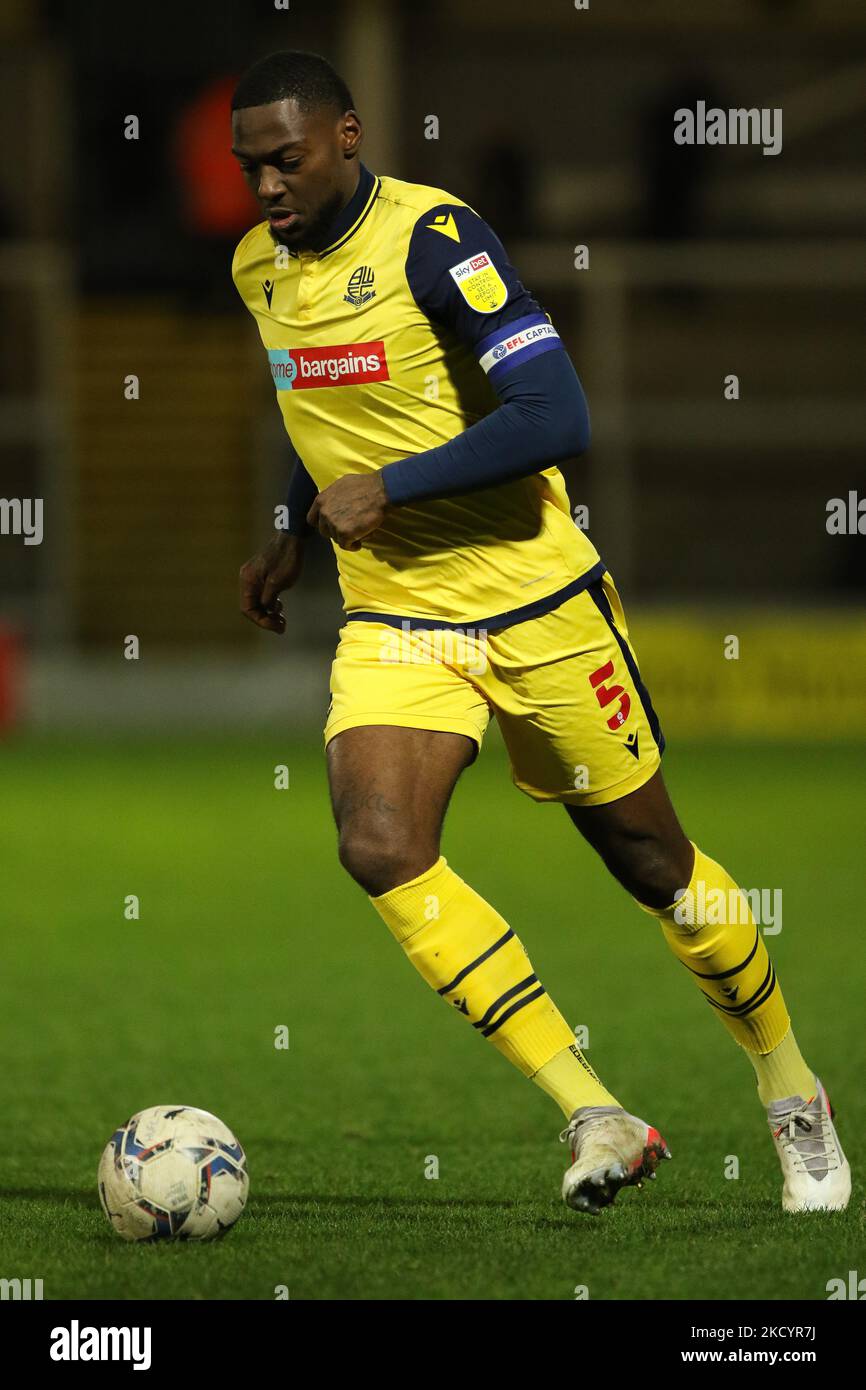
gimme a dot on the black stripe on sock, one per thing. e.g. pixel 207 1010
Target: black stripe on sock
pixel 763 999
pixel 521 1004
pixel 485 955
pixel 503 999
pixel 764 990
pixel 726 974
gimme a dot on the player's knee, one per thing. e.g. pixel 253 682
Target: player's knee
pixel 379 864
pixel 653 870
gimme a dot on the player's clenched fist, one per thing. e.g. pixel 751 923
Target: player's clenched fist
pixel 264 577
pixel 350 509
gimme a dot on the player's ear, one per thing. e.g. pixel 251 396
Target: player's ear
pixel 351 133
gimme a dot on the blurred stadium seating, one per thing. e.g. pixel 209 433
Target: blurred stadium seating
pixel 556 125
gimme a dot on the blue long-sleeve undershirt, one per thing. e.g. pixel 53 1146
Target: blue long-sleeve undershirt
pixel 543 419
pixel 302 494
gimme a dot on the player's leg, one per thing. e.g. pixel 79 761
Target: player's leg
pixel 588 711
pixel 708 924
pixel 401 728
pixel 580 729
pixel 642 843
pixel 390 788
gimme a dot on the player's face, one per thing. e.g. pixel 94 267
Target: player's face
pixel 297 165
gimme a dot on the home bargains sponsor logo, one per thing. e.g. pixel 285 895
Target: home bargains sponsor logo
pixel 298 369
pixel 528 340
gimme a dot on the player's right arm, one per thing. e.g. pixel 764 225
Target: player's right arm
pixel 277 567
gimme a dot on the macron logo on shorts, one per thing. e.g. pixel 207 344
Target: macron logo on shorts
pixel 299 369
pixel 517 342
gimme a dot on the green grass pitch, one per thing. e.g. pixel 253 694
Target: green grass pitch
pixel 247 922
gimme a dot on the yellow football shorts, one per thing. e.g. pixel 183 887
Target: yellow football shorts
pixel 564 688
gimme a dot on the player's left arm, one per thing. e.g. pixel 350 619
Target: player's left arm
pixel 461 277
pixel 471 287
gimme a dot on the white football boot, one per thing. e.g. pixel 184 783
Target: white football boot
pixel 610 1149
pixel 816 1172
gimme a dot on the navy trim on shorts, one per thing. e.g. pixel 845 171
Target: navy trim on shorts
pixel 507 619
pixel 599 598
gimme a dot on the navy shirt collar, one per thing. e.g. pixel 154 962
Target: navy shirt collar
pixel 346 223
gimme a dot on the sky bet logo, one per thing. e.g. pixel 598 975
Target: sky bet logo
pixel 298 369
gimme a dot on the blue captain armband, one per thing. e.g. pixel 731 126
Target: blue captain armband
pixel 516 343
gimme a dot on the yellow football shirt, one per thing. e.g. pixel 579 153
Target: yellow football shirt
pixel 385 344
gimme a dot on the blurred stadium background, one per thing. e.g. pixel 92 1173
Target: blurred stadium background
pixel 554 124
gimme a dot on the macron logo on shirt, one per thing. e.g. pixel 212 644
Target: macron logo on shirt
pixel 298 369
pixel 517 342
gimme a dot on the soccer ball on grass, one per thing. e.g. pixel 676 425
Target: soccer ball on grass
pixel 173 1171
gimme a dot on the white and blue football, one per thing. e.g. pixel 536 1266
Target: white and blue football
pixel 173 1172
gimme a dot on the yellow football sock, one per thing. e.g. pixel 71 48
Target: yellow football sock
pixel 710 928
pixel 571 1082
pixel 471 957
pixel 783 1072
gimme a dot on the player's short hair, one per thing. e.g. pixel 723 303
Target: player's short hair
pixel 306 77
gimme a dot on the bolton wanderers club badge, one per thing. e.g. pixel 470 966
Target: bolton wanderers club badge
pixel 359 289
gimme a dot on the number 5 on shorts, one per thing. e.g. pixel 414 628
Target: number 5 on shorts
pixel 606 693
